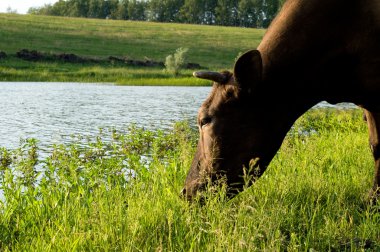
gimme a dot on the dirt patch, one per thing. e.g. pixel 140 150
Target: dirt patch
pixel 193 66
pixel 33 55
pixel 131 62
pixel 3 55
pixel 70 57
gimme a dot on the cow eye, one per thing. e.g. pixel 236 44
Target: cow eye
pixel 205 121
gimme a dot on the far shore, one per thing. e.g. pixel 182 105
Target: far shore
pixel 14 69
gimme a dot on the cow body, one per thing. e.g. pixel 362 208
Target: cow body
pixel 327 50
pixel 314 50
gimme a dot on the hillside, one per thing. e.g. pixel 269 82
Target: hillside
pixel 212 47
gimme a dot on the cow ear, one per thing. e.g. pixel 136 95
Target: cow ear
pixel 248 70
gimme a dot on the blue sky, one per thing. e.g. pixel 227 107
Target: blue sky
pixel 22 6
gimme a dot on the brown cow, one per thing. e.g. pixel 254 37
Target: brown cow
pixel 314 50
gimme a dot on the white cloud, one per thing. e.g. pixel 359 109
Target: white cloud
pixel 22 6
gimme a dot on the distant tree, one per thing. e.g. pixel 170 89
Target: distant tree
pixel 11 11
pixel 71 8
pixel 247 14
pixel 271 8
pixel 122 10
pixel 156 11
pixel 34 10
pixel 227 12
pixel 210 15
pixel 78 8
pixel 94 8
pixel 113 6
pixel 137 10
pixel 171 9
pixel 104 9
pixel 222 12
pixel 57 9
pixel 234 13
pixel 164 10
pixel 192 12
pixel 199 12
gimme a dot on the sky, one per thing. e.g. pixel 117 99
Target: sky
pixel 22 6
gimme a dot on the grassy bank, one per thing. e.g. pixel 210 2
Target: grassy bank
pixel 107 197
pixel 212 47
pixel 20 70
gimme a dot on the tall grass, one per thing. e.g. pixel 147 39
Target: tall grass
pixel 124 194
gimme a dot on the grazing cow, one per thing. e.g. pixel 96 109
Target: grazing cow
pixel 314 50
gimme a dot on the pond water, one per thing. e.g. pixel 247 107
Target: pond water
pixel 53 112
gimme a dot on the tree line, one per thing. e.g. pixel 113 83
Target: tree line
pixel 245 13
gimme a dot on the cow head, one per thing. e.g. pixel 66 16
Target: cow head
pixel 240 131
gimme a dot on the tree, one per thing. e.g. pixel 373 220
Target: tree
pixel 164 10
pixel 173 9
pixel 199 12
pixel 122 10
pixel 192 12
pixel 11 11
pixel 113 6
pixel 136 10
pixel 227 12
pixel 210 15
pixel 58 9
pixel 250 13
pixel 155 11
pixel 80 8
pixel 271 8
pixel 94 8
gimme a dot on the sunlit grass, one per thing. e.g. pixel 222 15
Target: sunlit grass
pixel 123 194
pixel 210 46
pixel 213 47
pixel 66 72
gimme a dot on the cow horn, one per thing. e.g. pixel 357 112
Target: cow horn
pixel 214 76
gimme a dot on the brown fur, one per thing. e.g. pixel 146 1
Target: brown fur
pixel 314 50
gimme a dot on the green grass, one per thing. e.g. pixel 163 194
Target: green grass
pixel 19 70
pixel 212 47
pixel 311 198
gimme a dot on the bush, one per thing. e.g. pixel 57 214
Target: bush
pixel 175 62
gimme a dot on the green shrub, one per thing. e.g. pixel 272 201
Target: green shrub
pixel 175 62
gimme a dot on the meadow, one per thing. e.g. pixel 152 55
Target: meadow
pixel 123 195
pixel 213 47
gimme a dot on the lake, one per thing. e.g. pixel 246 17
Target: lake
pixel 53 112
